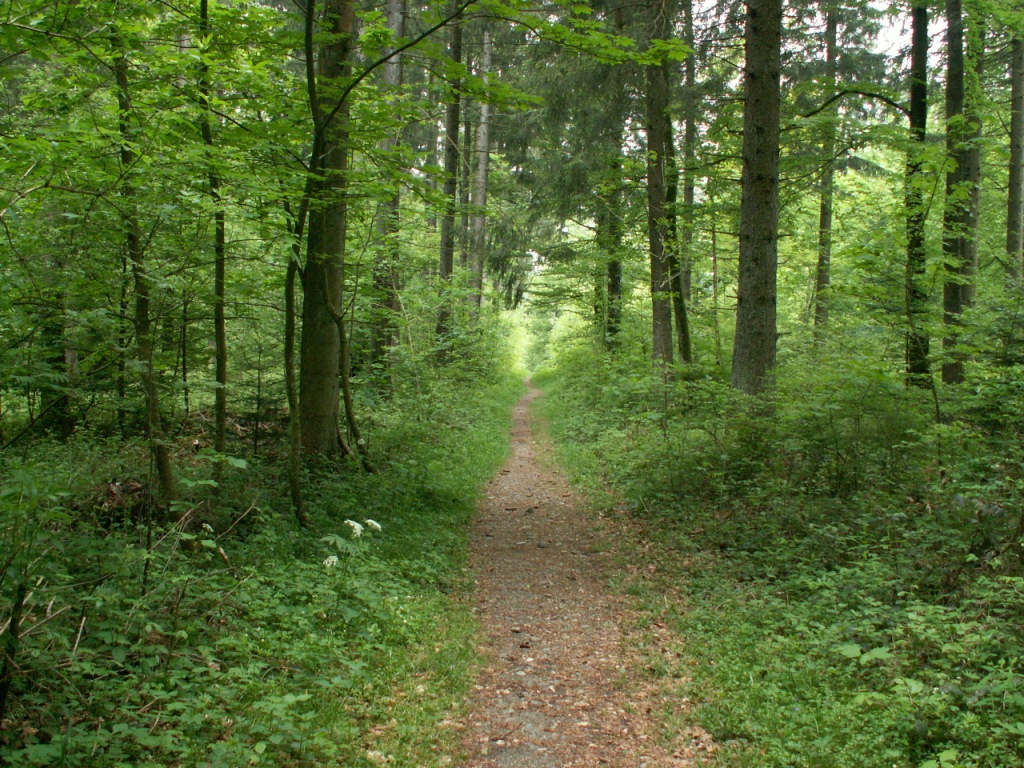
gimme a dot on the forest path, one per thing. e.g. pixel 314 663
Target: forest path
pixel 558 690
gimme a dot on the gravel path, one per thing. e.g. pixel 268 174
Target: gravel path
pixel 559 690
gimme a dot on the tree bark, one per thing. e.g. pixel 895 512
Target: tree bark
pixel 465 178
pixel 1015 198
pixel 756 323
pixel 823 273
pixel 689 155
pixel 220 344
pixel 385 273
pixel 959 217
pixel 451 179
pixel 916 296
pixel 478 224
pixel 320 355
pixel 657 127
pixel 674 245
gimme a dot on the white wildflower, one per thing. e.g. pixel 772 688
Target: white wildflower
pixel 373 525
pixel 207 527
pixel 357 529
pixel 331 561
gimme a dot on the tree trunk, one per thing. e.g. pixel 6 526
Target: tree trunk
pixel 451 179
pixel 959 220
pixel 385 270
pixel 478 226
pixel 657 126
pixel 689 155
pixel 716 324
pixel 291 388
pixel 465 179
pixel 320 356
pixel 973 98
pixel 916 296
pixel 673 245
pixel 220 344
pixel 823 273
pixel 754 346
pixel 143 284
pixel 608 237
pixel 1015 199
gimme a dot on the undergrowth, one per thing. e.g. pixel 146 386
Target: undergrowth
pixel 235 638
pixel 841 577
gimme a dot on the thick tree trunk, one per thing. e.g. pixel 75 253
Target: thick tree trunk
pixel 657 127
pixel 959 219
pixel 478 225
pixel 754 346
pixel 451 180
pixel 320 356
pixel 1015 197
pixel 916 296
pixel 143 284
pixel 823 273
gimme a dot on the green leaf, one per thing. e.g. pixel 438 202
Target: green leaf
pixel 876 654
pixel 849 650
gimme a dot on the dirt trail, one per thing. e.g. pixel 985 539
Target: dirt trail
pixel 559 690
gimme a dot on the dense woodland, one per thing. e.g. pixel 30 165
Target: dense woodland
pixel 272 270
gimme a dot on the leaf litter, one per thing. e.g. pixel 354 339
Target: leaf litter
pixel 560 688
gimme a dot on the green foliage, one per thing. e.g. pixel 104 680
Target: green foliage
pixel 233 638
pixel 844 577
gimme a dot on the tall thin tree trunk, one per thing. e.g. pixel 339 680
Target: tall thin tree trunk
pixel 716 324
pixel 385 272
pixel 183 351
pixel 291 386
pixel 823 273
pixel 433 134
pixel 1015 196
pixel 465 179
pixel 143 284
pixel 673 245
pixel 609 241
pixel 657 124
pixel 220 345
pixel 478 225
pixel 689 154
pixel 916 296
pixel 753 355
pixel 973 97
pixel 451 179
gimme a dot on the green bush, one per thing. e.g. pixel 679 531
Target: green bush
pixel 847 572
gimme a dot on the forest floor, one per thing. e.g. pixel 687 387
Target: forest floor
pixel 561 686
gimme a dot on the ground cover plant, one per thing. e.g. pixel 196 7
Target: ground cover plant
pixel 233 637
pixel 839 576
